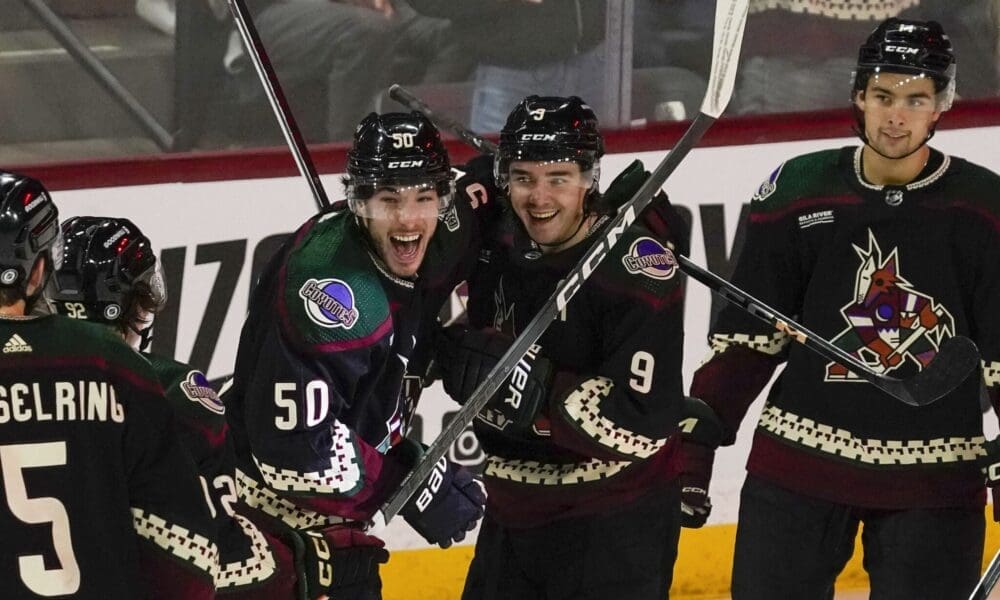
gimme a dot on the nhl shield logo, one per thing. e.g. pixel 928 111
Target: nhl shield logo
pixel 648 257
pixel 329 303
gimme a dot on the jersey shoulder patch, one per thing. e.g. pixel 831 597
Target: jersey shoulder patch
pixel 331 289
pixel 185 386
pixel 639 264
pixel 803 176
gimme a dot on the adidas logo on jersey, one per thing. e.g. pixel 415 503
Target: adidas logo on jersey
pixel 16 343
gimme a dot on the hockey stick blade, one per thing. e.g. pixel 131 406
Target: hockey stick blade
pixel 955 360
pixel 279 104
pixel 730 21
pixel 989 580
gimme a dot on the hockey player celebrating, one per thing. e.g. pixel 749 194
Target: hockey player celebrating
pixel 332 356
pixel 110 275
pixel 887 248
pixel 99 500
pixel 581 470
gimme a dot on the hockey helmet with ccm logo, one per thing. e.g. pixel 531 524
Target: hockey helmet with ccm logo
pixel 550 128
pixel 918 48
pixel 29 228
pixel 397 150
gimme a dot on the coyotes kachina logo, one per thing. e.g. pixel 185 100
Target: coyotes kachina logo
pixel 889 322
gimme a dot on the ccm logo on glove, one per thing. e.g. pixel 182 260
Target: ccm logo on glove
pixel 324 570
pixel 433 484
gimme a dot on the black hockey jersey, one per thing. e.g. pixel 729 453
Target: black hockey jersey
pixel 98 498
pixel 246 558
pixel 330 364
pixel 887 273
pixel 605 437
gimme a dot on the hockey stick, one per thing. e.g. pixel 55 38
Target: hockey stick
pixel 407 99
pixel 955 359
pixel 272 87
pixel 989 580
pixel 730 19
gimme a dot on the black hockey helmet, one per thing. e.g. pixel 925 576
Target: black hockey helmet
pixel 29 228
pixel 550 128
pixel 911 47
pixel 395 149
pixel 105 258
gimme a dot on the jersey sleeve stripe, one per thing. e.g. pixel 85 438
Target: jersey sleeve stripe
pixel 190 548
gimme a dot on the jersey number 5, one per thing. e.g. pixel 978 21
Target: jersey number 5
pixel 14 458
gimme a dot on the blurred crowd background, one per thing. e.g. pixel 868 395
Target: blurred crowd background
pixel 95 79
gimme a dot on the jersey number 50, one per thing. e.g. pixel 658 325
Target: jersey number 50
pixel 14 458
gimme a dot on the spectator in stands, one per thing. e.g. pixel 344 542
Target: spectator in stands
pixel 334 55
pixel 800 46
pixel 524 47
pixel 671 56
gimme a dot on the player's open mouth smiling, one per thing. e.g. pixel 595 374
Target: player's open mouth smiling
pixel 542 215
pixel 405 245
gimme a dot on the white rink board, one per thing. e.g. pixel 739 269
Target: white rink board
pixel 192 215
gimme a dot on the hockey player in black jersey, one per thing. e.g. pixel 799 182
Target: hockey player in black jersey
pixel 333 355
pixel 582 466
pixel 98 498
pixel 887 248
pixel 111 275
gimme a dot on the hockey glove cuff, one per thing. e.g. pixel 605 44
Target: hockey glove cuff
pixel 342 562
pixel 694 479
pixel 990 464
pixel 447 506
pixel 659 217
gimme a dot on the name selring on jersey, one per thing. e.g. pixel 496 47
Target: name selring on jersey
pixel 92 469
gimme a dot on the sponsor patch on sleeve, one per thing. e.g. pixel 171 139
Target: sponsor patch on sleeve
pixel 329 303
pixel 649 257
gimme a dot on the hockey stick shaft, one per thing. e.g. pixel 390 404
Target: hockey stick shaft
pixel 989 580
pixel 276 97
pixel 729 25
pixel 406 98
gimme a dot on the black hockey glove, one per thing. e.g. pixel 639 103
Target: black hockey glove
pixel 990 463
pixel 447 506
pixel 701 433
pixel 466 356
pixel 659 216
pixel 695 477
pixel 341 562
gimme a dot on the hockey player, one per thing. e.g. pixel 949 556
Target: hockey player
pixel 581 470
pixel 886 248
pixel 110 275
pixel 332 356
pixel 98 499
